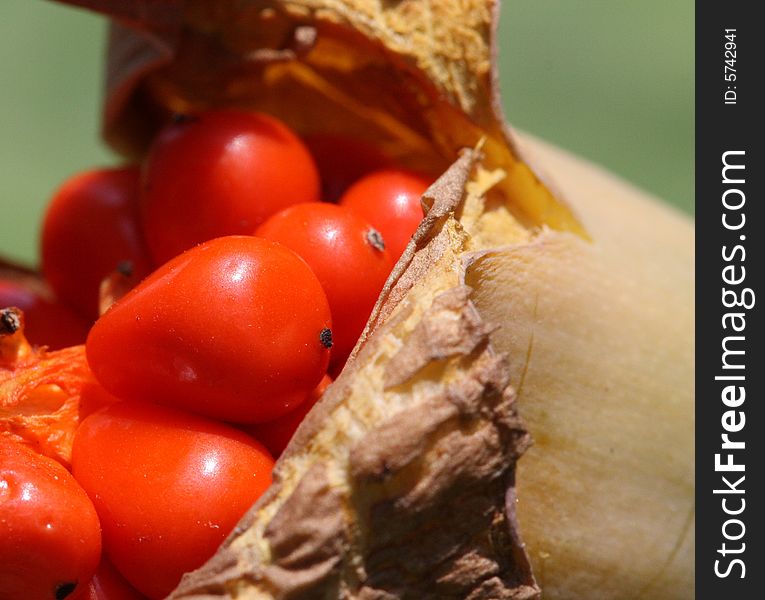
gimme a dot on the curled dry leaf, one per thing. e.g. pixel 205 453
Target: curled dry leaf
pixel 402 481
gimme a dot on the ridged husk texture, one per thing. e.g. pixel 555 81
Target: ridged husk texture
pixel 508 318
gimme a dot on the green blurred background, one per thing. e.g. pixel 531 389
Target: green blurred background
pixel 610 80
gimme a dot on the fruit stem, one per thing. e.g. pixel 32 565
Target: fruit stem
pixel 14 347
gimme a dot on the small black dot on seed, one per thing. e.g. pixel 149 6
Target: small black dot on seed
pixel 125 267
pixel 181 119
pixel 64 589
pixel 326 337
pixel 376 240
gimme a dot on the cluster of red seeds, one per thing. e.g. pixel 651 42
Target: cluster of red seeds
pixel 248 292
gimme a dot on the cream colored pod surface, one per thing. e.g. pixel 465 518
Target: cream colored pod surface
pixel 600 337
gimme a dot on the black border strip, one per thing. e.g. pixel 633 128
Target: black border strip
pixel 734 254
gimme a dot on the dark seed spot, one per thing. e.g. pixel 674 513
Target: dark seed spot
pixel 375 238
pixel 10 321
pixel 64 589
pixel 125 267
pixel 326 337
pixel 180 118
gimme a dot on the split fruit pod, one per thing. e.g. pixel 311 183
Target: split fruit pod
pixel 521 310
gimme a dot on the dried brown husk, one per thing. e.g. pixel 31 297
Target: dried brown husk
pixel 416 79
pixel 402 482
